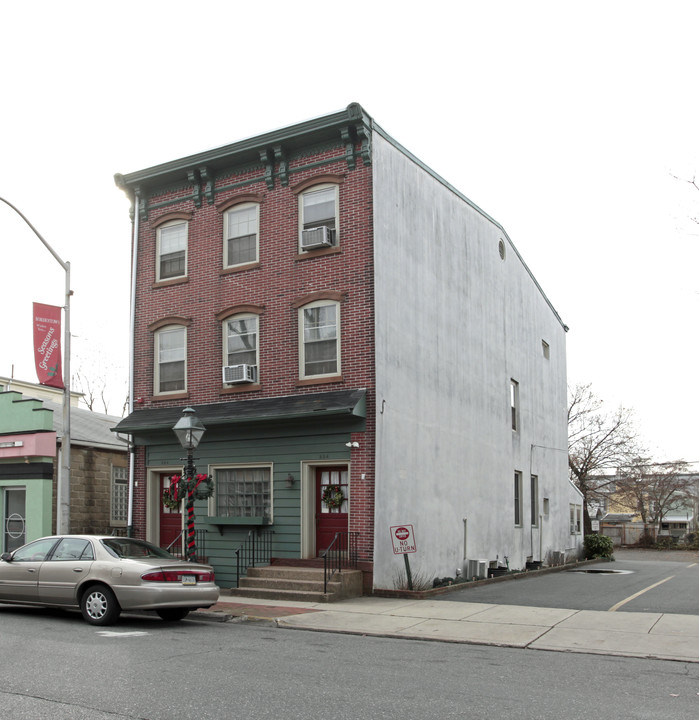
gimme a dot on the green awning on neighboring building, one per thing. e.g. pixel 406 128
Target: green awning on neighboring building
pixel 337 403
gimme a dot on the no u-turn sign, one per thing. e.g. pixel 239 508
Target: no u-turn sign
pixel 403 539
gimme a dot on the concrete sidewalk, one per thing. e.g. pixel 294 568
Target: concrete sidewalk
pixel 644 635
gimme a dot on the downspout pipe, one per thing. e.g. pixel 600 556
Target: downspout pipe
pixel 132 326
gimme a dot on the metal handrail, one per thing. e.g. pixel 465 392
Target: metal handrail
pixel 176 546
pixel 257 548
pixel 342 552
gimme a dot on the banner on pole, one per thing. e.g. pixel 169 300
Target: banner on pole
pixel 47 345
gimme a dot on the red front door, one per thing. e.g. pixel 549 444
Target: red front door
pixel 170 520
pixel 331 519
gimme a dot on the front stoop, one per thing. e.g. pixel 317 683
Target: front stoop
pixel 277 582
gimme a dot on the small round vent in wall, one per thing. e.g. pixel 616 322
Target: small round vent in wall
pixel 501 249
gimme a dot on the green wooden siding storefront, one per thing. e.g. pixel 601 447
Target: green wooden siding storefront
pixel 290 442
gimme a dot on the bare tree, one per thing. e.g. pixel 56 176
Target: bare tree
pixel 655 489
pixel 599 443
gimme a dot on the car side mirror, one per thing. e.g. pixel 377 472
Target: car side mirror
pixel 6 556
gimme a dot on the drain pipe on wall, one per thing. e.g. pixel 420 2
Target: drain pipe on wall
pixel 132 325
pixel 464 565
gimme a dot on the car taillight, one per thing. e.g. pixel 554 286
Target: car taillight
pixel 176 576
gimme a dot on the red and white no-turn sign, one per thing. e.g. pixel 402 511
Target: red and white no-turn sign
pixel 403 539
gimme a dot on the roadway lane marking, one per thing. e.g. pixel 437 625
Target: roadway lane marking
pixel 640 592
pixel 113 633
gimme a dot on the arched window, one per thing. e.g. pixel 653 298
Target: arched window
pixel 319 339
pixel 170 343
pixel 240 348
pixel 171 250
pixel 241 234
pixel 318 217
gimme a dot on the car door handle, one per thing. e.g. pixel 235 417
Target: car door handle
pixel 77 569
pixel 31 569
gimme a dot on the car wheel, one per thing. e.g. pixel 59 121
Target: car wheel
pixel 99 606
pixel 173 614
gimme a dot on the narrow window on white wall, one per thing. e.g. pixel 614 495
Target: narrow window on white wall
pixel 534 501
pixel 518 498
pixel 514 404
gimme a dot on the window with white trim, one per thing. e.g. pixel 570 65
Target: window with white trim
pixel 170 359
pixel 240 341
pixel 319 324
pixel 518 498
pixel 514 404
pixel 241 234
pixel 119 496
pixel 171 260
pixel 242 491
pixel 575 519
pixel 318 210
pixel 534 507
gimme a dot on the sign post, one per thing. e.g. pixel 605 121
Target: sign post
pixel 403 539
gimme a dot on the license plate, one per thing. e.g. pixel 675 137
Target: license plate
pixel 189 580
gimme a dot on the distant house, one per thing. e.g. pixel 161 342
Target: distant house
pixel 365 346
pixel 31 433
pixel 625 524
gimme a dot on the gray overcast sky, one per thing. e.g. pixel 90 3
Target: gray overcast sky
pixel 564 121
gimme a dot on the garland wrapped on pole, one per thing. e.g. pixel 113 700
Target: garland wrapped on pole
pixel 189 487
pixel 189 431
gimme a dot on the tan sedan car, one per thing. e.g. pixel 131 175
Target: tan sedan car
pixel 103 575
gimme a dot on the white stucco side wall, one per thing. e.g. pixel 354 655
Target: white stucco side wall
pixel 455 324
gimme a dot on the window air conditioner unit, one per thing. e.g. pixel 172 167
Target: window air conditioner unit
pixel 318 237
pixel 239 374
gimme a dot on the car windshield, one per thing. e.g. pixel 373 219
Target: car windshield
pixel 134 549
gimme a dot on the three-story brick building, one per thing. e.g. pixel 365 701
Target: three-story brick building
pixel 339 316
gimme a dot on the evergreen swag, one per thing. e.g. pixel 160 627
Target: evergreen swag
pixel 333 496
pixel 203 488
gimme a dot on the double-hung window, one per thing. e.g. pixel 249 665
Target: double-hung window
pixel 514 404
pixel 241 234
pixel 241 343
pixel 518 499
pixel 575 519
pixel 170 360
pixel 319 324
pixel 242 491
pixel 534 507
pixel 318 217
pixel 171 259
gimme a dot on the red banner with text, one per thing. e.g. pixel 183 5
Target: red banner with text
pixel 47 344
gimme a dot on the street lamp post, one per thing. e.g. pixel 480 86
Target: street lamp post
pixel 189 431
pixel 63 480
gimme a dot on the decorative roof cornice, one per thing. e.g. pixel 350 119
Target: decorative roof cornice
pixel 272 148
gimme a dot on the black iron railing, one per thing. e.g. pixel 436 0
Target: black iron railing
pixel 342 552
pixel 256 550
pixel 177 546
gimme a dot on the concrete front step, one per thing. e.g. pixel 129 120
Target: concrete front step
pixel 278 582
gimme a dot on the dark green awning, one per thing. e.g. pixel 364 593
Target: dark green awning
pixel 338 403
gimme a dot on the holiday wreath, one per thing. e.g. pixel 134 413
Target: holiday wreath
pixel 202 487
pixel 333 496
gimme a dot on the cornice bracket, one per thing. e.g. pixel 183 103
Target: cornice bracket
pixel 283 172
pixel 208 180
pixel 268 162
pixel 193 178
pixel 348 140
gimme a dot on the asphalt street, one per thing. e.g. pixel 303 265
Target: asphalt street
pixel 56 667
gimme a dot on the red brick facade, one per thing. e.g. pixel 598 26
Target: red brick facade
pixel 276 286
